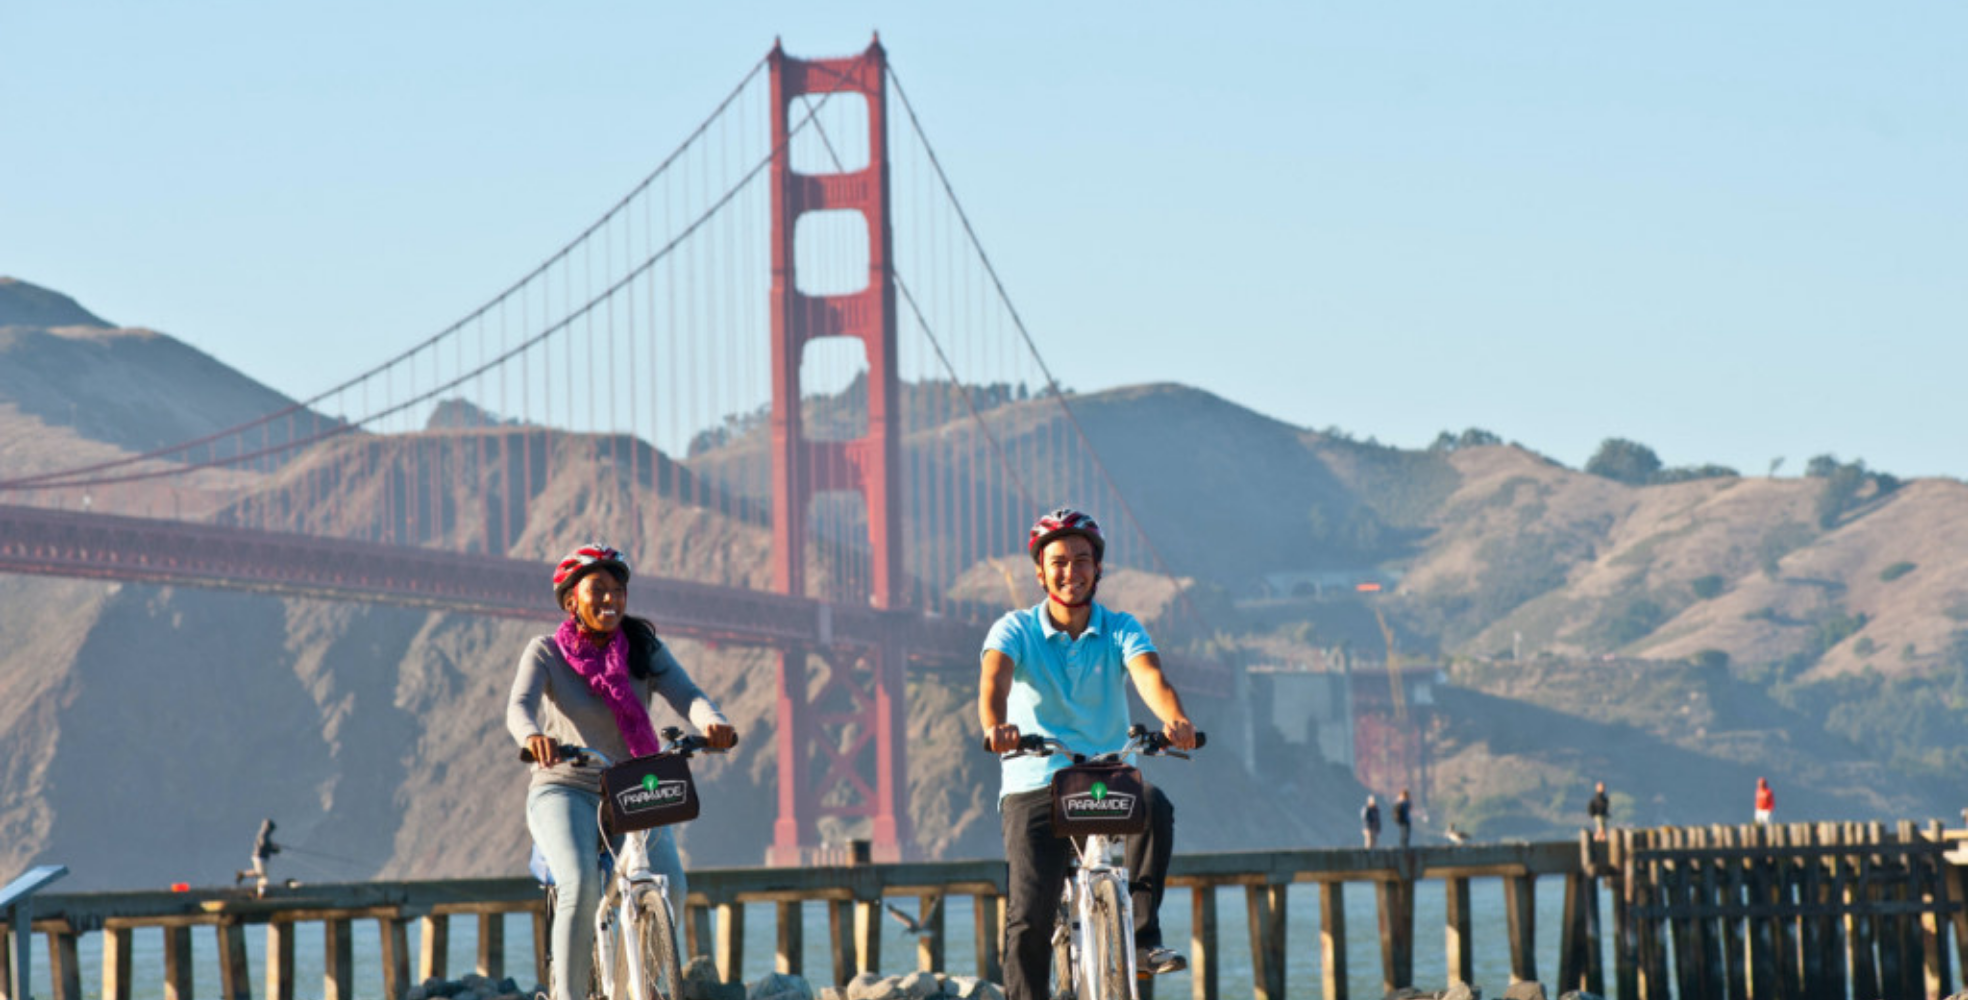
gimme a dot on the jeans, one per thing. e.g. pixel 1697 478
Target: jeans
pixel 563 823
pixel 1039 862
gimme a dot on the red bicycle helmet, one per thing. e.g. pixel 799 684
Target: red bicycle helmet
pixel 581 562
pixel 1062 522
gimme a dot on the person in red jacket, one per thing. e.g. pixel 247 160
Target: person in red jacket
pixel 1766 801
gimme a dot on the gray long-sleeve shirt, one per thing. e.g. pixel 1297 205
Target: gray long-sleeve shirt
pixel 549 698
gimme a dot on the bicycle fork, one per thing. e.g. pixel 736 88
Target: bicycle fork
pixel 618 920
pixel 1096 866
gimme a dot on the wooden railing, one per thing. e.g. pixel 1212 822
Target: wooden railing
pixel 1788 900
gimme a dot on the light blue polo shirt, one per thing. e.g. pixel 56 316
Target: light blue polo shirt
pixel 1074 690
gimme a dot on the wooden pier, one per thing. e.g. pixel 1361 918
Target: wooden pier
pixel 1825 910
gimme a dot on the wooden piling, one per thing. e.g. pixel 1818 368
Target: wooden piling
pixel 1332 940
pixel 1396 908
pixel 434 946
pixel 840 938
pixel 929 945
pixel 65 965
pixel 1520 920
pixel 116 963
pixel 1933 896
pixel 1458 931
pixel 1203 975
pixel 279 960
pixel 235 975
pixel 730 954
pixel 789 957
pixel 492 945
pixel 988 919
pixel 1266 907
pixel 177 963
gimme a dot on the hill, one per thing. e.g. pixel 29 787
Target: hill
pixel 1669 638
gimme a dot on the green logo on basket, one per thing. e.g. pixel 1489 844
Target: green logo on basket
pixel 1099 790
pixel 649 782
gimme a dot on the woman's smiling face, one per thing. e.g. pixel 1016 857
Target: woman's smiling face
pixel 599 601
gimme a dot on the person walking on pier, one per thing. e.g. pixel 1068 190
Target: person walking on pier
pixel 263 849
pixel 1370 822
pixel 593 682
pixel 1599 809
pixel 1061 669
pixel 1403 817
pixel 1766 801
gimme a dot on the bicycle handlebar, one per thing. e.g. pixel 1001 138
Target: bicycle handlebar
pixel 1141 740
pixel 674 742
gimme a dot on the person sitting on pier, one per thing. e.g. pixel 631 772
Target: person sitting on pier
pixel 592 683
pixel 1060 669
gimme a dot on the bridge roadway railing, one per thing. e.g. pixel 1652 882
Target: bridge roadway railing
pixel 154 550
pixel 853 896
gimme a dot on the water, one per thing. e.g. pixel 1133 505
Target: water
pixel 898 950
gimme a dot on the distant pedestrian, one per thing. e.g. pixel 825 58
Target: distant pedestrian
pixel 1599 808
pixel 1403 818
pixel 1766 801
pixel 263 848
pixel 1370 822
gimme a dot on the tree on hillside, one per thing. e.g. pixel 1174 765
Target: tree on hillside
pixel 1474 437
pixel 1845 486
pixel 1624 461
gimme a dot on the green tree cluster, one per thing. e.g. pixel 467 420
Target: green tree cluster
pixel 1635 464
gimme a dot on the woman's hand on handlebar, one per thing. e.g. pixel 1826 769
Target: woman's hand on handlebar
pixel 545 752
pixel 1001 738
pixel 720 736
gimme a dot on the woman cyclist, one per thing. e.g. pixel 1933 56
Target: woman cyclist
pixel 592 683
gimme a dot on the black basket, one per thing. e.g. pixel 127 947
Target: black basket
pixel 646 792
pixel 1107 799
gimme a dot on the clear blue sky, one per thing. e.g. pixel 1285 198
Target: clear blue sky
pixel 1730 231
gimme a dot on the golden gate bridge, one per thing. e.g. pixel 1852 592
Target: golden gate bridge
pixel 780 372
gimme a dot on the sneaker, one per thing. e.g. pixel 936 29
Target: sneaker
pixel 1152 962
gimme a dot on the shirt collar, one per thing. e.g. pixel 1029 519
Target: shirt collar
pixel 1094 621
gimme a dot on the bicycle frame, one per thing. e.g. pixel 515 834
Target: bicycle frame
pixel 619 910
pixel 1098 857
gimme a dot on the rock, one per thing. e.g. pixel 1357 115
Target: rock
pixel 779 986
pixel 468 994
pixel 830 993
pixel 871 986
pixel 416 992
pixel 1462 991
pixel 1583 995
pixel 920 985
pixel 960 987
pixel 700 979
pixel 480 985
pixel 988 990
pixel 1410 993
pixel 1528 990
pixel 508 985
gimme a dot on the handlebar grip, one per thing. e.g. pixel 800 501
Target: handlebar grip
pixel 566 751
pixel 1201 738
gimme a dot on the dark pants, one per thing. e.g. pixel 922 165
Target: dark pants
pixel 1039 862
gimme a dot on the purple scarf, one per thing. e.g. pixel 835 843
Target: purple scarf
pixel 607 672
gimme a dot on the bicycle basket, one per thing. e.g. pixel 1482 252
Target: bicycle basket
pixel 646 792
pixel 1107 799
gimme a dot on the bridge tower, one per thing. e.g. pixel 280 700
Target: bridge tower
pixel 853 719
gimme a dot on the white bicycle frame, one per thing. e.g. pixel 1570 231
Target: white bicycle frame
pixel 618 911
pixel 1098 863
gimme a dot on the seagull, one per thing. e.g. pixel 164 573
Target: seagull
pixel 1456 837
pixel 913 925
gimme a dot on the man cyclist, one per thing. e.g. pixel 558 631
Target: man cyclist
pixel 1059 669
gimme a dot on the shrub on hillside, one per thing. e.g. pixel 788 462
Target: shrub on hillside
pixel 1895 571
pixel 1624 461
pixel 1706 587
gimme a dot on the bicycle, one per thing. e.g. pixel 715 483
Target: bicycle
pixel 1098 802
pixel 635 905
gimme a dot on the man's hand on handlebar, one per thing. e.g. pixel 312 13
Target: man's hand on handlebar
pixel 1001 738
pixel 1181 734
pixel 720 736
pixel 544 751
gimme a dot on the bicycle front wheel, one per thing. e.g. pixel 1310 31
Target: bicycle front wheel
pixel 1111 942
pixel 662 970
